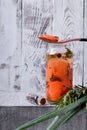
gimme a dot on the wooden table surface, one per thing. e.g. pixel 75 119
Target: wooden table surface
pixel 23 55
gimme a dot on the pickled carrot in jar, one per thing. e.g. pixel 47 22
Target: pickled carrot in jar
pixel 59 74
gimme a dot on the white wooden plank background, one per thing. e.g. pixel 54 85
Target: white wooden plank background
pixel 23 55
pixel 68 23
pixel 37 17
pixel 85 44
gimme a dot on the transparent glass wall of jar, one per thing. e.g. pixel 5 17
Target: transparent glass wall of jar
pixel 59 71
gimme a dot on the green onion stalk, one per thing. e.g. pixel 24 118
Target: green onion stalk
pixel 68 106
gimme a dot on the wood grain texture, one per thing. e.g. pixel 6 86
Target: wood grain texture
pixel 22 65
pixel 69 20
pixel 85 44
pixel 16 60
pixel 23 68
pixel 23 59
pixel 68 23
pixel 10 50
pixel 7 37
pixel 37 18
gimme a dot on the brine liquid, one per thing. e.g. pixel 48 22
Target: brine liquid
pixel 59 70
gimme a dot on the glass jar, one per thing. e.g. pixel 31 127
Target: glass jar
pixel 59 71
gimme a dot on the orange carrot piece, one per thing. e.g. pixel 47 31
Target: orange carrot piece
pixel 58 68
pixel 54 91
pixel 61 68
pixel 62 80
pixel 49 38
pixel 49 69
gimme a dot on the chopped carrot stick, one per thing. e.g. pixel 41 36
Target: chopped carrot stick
pixel 49 38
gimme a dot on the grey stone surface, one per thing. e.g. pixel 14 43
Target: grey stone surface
pixel 12 117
